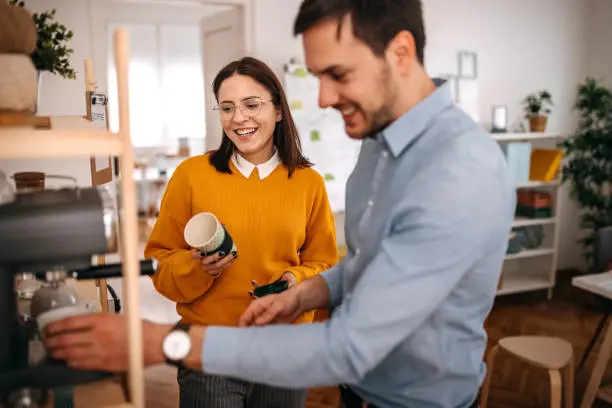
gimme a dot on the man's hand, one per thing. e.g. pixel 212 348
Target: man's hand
pixel 99 342
pixel 277 308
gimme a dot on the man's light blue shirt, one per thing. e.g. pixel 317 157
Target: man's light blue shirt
pixel 430 205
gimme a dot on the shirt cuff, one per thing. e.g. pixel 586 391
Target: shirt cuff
pixel 220 350
pixel 333 278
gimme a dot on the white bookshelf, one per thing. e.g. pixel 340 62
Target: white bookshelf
pixel 75 136
pixel 533 269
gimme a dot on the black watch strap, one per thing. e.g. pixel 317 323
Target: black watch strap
pixel 178 326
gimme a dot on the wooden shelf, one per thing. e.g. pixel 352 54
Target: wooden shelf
pixel 531 253
pixel 523 283
pixel 68 136
pixel 520 137
pixel 537 184
pixel 77 136
pixel 529 222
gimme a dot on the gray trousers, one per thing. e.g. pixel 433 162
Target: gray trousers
pixel 199 390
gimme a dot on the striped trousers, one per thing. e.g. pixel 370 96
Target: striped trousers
pixel 199 390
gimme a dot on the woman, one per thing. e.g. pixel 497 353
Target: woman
pixel 273 204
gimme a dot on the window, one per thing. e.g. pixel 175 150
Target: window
pixel 166 84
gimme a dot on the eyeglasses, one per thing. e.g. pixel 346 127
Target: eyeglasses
pixel 249 108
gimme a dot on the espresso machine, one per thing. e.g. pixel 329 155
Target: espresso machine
pixel 49 236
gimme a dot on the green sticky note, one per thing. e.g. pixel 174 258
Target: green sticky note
pixel 329 177
pixel 301 73
pixel 315 136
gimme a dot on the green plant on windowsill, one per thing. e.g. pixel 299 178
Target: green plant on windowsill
pixel 537 108
pixel 588 167
pixel 52 53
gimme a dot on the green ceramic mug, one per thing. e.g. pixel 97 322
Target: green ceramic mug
pixel 205 233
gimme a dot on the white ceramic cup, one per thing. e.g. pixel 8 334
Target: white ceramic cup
pixel 205 233
pixel 53 315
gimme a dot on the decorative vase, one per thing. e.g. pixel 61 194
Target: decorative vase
pixel 538 123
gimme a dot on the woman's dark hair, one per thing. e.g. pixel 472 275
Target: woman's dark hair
pixel 375 22
pixel 286 137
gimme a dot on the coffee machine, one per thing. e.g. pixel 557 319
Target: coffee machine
pixel 50 236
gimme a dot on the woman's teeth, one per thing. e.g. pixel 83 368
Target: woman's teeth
pixel 246 132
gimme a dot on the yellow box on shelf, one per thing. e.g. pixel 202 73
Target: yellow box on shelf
pixel 545 164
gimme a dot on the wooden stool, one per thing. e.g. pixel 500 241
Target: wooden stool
pixel 550 353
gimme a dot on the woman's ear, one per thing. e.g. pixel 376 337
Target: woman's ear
pixel 279 114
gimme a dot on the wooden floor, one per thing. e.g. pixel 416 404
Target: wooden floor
pixel 569 315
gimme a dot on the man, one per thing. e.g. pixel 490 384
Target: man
pixel 429 209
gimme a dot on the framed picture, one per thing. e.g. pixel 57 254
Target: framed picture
pixel 499 119
pixel 468 64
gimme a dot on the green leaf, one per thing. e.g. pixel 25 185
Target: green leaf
pixel 315 136
pixel 329 177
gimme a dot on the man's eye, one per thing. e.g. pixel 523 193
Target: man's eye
pixel 338 76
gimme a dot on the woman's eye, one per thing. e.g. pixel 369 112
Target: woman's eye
pixel 252 105
pixel 227 109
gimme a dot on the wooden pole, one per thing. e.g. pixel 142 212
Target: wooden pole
pixel 129 226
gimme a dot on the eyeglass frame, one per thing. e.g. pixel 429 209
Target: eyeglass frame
pixel 241 107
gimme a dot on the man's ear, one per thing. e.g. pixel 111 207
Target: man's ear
pixel 401 51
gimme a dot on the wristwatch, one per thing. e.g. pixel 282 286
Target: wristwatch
pixel 177 344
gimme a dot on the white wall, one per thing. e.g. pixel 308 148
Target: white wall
pixel 600 41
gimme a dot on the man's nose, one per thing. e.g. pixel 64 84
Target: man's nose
pixel 328 96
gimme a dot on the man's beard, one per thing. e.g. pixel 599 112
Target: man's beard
pixel 383 116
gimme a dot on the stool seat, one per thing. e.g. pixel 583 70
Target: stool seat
pixel 550 353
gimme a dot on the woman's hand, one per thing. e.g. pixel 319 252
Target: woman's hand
pixel 214 264
pixel 287 277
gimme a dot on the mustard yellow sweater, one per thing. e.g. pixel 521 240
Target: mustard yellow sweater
pixel 279 224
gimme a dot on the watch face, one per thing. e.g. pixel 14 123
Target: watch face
pixel 177 345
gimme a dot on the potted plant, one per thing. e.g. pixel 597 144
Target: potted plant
pixel 537 108
pixel 52 53
pixel 588 167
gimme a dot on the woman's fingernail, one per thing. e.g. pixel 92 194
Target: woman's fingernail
pixel 251 293
pixel 235 254
pixel 221 254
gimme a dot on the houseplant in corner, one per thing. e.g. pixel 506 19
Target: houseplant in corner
pixel 537 108
pixel 588 167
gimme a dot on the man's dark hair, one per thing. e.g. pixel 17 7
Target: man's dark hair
pixel 375 22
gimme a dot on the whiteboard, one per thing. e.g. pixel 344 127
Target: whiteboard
pixel 324 140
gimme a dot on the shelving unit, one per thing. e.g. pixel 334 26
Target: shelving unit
pixel 533 269
pixel 76 136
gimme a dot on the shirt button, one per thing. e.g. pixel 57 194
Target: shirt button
pixel 357 251
pixel 385 154
pixel 370 203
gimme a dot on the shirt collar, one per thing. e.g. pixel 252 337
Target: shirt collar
pixel 264 169
pixel 413 123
